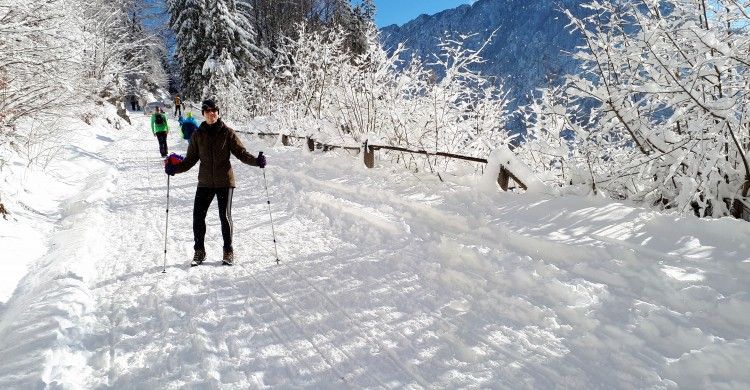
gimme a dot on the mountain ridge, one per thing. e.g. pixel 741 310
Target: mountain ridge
pixel 527 50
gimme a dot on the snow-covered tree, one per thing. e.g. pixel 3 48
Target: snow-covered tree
pixel 670 80
pixel 56 54
pixel 468 110
pixel 113 46
pixel 216 48
pixel 191 50
pixel 37 69
pixel 319 82
pixel 273 21
pixel 544 147
pixel 146 70
pixel 356 22
pixel 231 45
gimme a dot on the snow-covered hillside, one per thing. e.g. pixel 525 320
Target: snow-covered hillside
pixel 531 43
pixel 387 279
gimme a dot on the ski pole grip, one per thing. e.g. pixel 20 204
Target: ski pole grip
pixel 260 155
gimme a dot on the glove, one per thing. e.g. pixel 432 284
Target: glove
pixel 174 159
pixel 171 162
pixel 261 160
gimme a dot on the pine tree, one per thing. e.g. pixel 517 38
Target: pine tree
pixel 214 40
pixel 230 30
pixel 358 23
pixel 368 10
pixel 191 49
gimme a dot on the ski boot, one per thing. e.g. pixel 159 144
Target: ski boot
pixel 199 257
pixel 228 258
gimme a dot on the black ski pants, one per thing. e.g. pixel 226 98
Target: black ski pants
pixel 177 110
pixel 203 198
pixel 162 137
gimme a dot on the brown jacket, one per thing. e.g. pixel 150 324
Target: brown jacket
pixel 211 144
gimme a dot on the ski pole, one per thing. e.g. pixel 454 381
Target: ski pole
pixel 268 200
pixel 166 230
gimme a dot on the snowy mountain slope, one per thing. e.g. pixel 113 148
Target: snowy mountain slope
pixel 388 279
pixel 529 46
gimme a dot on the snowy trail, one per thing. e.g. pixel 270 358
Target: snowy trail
pixel 385 281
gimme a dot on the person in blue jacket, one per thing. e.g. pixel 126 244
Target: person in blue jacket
pixel 188 126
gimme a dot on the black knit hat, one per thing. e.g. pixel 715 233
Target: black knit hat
pixel 208 104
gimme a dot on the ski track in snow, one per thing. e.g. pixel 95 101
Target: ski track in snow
pixel 384 282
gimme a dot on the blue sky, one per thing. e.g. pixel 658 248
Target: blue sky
pixel 402 11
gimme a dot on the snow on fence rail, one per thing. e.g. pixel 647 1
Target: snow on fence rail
pixel 503 179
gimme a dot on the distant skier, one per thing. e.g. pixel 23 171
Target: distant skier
pixel 188 126
pixel 212 144
pixel 160 128
pixel 177 106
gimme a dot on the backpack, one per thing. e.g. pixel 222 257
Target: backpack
pixel 187 129
pixel 159 120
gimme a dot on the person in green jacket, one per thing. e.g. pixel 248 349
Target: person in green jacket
pixel 160 128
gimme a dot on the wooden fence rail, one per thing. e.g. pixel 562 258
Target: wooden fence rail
pixel 503 177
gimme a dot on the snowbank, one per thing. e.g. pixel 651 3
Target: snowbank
pixel 51 247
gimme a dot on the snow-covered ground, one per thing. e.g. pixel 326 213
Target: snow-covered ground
pixel 387 279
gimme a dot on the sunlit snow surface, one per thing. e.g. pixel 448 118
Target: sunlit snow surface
pixel 388 279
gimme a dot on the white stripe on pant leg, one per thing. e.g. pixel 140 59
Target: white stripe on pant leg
pixel 229 215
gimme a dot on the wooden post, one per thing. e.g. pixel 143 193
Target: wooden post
pixel 311 144
pixel 369 156
pixel 285 140
pixel 502 178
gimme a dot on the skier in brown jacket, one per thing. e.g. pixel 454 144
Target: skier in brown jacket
pixel 212 144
